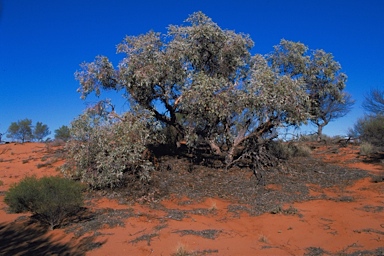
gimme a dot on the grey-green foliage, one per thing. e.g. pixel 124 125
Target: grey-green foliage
pixel 40 131
pixel 324 81
pixel 63 133
pixel 207 75
pixel 370 129
pixel 50 199
pixel 21 130
pixel 105 149
pixel 287 150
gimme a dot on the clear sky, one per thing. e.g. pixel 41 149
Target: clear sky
pixel 42 43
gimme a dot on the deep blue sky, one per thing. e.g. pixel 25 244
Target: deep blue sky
pixel 43 42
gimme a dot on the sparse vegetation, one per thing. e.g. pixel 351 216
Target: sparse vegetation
pixel 280 210
pixel 41 165
pixel 370 128
pixel 208 233
pixel 366 149
pixel 50 199
pixel 287 150
pixel 263 239
pixel 23 130
pixel 182 251
pixel 146 237
pixel 63 133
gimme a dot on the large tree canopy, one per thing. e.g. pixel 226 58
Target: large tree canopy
pixel 202 80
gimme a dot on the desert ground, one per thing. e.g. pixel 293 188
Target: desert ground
pixel 331 203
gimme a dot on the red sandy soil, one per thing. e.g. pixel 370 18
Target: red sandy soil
pixel 319 227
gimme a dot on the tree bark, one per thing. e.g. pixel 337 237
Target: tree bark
pixel 215 148
pixel 320 131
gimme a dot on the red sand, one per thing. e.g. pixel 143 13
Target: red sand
pixel 333 226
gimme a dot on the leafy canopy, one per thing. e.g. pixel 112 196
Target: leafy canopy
pixel 322 77
pixel 106 151
pixel 21 130
pixel 63 133
pixel 203 81
pixel 40 131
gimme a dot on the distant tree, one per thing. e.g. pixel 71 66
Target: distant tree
pixel 63 133
pixel 374 102
pixel 331 109
pixel 370 129
pixel 326 84
pixel 40 131
pixel 20 130
pixel 323 79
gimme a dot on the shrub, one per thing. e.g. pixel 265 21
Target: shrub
pixel 371 129
pixel 301 150
pixel 280 150
pixel 366 149
pixel 50 199
pixel 314 138
pixel 286 151
pixel 103 152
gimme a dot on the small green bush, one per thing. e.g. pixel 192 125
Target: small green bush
pixel 50 199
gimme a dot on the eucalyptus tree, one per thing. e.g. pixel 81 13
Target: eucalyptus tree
pixel 63 133
pixel 20 130
pixel 202 80
pixel 325 83
pixel 40 131
pixel 246 114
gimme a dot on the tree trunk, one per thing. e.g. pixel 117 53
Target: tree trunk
pixel 215 148
pixel 319 131
pixel 230 155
